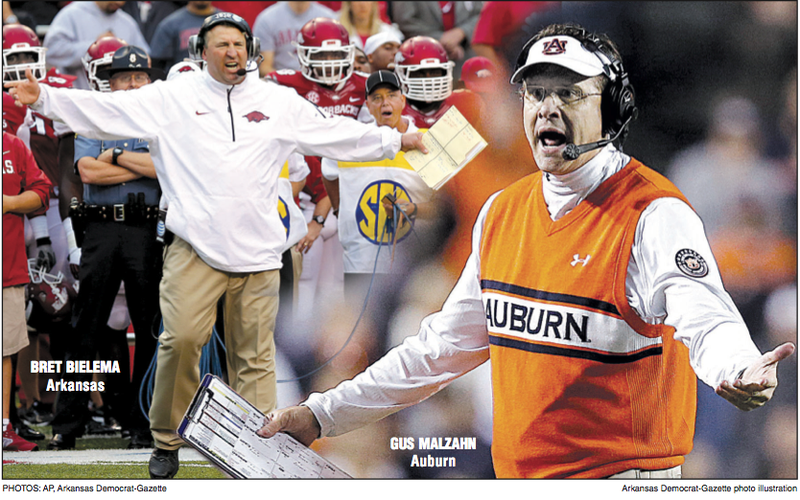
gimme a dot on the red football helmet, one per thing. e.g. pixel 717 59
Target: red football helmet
pixel 422 53
pixel 51 293
pixel 325 52
pixel 18 39
pixel 99 55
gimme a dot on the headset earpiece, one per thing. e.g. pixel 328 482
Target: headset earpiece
pixel 618 102
pixel 254 50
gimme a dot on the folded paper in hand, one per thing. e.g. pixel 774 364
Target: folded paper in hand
pixel 222 426
pixel 452 143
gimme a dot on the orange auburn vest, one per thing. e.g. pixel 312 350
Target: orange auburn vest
pixel 582 386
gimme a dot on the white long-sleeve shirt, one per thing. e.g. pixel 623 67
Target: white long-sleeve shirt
pixel 455 340
pixel 218 151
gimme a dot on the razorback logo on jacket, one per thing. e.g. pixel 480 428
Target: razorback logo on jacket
pixel 256 116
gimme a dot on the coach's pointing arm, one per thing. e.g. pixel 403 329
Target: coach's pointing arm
pixel 96 115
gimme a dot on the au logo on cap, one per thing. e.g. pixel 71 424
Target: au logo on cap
pixel 132 58
pixel 554 47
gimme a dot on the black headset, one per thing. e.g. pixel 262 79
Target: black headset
pixel 618 102
pixel 197 42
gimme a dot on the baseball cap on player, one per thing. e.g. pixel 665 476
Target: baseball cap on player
pixel 563 51
pixel 382 77
pixel 379 39
pixel 130 58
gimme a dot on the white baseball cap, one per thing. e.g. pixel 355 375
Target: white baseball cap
pixel 564 51
pixel 379 39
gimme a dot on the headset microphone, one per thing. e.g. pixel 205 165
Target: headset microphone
pixel 242 71
pixel 572 152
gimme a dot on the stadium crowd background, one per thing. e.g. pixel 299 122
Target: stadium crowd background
pixel 716 88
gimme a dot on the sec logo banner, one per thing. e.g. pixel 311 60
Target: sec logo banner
pixel 371 217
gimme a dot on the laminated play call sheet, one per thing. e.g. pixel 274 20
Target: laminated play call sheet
pixel 452 143
pixel 222 425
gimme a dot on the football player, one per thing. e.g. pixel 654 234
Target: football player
pixel 328 79
pixel 51 144
pixel 426 76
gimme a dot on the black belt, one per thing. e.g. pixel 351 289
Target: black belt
pixel 121 212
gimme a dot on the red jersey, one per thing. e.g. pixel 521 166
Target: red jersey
pixel 45 134
pixel 468 103
pixel 20 174
pixel 13 116
pixel 343 99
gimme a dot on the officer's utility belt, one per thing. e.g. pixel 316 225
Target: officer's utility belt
pixel 133 212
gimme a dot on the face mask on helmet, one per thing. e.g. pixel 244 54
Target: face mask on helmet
pixel 329 64
pixel 50 293
pixel 324 50
pixel 424 72
pixel 22 50
pixel 99 57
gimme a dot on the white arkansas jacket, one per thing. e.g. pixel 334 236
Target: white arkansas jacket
pixel 218 151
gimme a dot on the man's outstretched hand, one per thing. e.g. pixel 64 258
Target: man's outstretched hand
pixel 297 421
pixel 25 91
pixel 756 385
pixel 413 140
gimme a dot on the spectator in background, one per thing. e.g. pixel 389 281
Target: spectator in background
pixel 79 24
pixel 246 10
pixel 381 48
pixel 452 23
pixel 729 167
pixel 277 28
pixel 31 14
pixel 148 15
pixel 171 40
pixel 362 20
pixel 496 28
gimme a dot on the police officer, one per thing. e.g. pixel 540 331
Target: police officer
pixel 119 213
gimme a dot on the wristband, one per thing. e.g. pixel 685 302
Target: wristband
pixel 413 214
pixel 39 227
pixel 72 243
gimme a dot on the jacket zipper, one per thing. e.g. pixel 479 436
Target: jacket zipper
pixel 230 112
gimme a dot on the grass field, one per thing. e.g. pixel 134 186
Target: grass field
pixel 104 470
pixel 105 464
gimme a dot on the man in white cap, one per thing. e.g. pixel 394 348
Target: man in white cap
pixel 591 286
pixel 380 50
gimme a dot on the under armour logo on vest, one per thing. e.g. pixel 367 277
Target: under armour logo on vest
pixel 577 259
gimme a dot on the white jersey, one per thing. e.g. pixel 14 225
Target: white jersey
pixel 362 219
pixel 455 340
pixel 218 151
